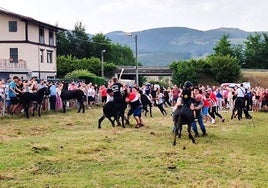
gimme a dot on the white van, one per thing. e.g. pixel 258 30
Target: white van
pixel 245 84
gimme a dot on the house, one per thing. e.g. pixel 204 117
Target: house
pixel 27 47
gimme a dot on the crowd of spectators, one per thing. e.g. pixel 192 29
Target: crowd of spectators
pixel 215 99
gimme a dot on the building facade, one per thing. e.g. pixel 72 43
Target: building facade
pixel 27 47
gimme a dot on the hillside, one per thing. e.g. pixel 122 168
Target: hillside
pixel 161 46
pixel 256 78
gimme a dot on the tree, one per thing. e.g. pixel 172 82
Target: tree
pixel 100 42
pixel 253 51
pixel 223 47
pixel 79 41
pixel 225 63
pixel 224 68
pixel 63 44
pixel 183 71
pixel 265 51
pixel 77 44
pixel 68 64
pixel 238 51
pixel 122 55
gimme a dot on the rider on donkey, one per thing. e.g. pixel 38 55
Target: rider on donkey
pixel 187 96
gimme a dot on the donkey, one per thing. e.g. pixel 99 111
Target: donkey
pixel 72 94
pixel 181 116
pixel 114 110
pixel 28 98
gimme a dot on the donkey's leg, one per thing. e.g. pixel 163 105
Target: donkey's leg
pixel 64 105
pixel 189 126
pixel 179 129
pixel 150 109
pixel 112 121
pixel 123 120
pixel 175 133
pixel 39 109
pixel 83 107
pixel 26 109
pixel 100 120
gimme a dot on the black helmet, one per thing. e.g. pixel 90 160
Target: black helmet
pixel 188 84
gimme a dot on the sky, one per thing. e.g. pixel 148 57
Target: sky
pixel 103 16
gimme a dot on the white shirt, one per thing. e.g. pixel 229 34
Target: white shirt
pixel 241 92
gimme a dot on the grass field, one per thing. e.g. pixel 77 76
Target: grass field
pixel 67 150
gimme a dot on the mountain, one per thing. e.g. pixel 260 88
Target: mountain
pixel 161 46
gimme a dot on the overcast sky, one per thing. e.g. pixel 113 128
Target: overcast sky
pixel 103 16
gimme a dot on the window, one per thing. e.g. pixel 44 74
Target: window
pixel 41 36
pixel 12 26
pixel 13 55
pixel 41 55
pixel 51 38
pixel 49 56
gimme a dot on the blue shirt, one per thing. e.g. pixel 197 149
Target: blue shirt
pixel 53 90
pixel 12 85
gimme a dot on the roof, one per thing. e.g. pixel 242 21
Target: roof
pixel 29 19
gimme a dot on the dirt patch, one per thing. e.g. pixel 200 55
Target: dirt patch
pixel 6 177
pixel 256 78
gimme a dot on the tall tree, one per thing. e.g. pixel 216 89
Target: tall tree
pixel 63 44
pixel 265 51
pixel 253 50
pixel 238 51
pixel 100 42
pixel 223 47
pixel 122 55
pixel 79 40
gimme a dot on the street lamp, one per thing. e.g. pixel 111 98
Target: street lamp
pixel 102 66
pixel 136 57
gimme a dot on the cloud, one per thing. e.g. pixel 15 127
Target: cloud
pixel 132 15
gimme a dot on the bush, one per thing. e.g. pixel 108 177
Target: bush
pixel 86 76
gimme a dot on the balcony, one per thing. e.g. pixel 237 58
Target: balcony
pixel 7 66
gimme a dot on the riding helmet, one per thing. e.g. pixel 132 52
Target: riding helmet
pixel 188 84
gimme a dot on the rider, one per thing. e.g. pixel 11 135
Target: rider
pixel 117 87
pixel 187 96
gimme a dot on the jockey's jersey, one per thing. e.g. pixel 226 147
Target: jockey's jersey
pixel 186 97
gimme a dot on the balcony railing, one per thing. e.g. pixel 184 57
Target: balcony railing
pixel 6 64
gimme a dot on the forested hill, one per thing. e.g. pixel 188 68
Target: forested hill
pixel 161 46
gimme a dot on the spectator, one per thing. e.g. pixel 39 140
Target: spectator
pixel 13 94
pixel 159 101
pixel 103 93
pixel 175 94
pixel 198 105
pixel 213 111
pixel 53 96
pixel 135 106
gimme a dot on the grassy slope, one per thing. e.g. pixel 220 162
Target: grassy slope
pixel 254 77
pixel 67 150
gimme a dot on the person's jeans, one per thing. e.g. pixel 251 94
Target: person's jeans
pixel 201 124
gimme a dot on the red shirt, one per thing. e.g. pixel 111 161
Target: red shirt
pixel 103 92
pixel 213 99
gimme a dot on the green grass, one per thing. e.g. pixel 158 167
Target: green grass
pixel 67 150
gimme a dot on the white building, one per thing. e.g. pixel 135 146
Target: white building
pixel 27 47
